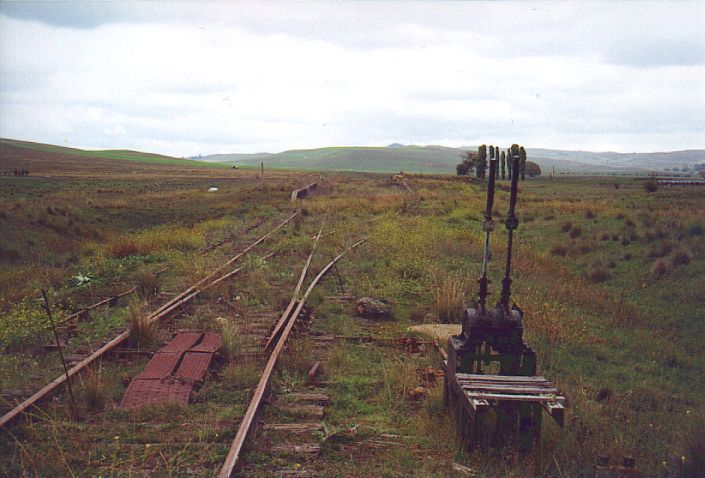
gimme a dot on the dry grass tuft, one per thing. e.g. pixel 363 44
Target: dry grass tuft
pixel 449 298
pixel 143 332
pixel 147 283
pixel 94 392
pixel 233 342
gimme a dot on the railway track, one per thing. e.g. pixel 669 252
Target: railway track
pixel 276 343
pixel 161 312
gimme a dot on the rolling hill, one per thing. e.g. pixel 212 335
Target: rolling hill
pixel 440 159
pixel 107 154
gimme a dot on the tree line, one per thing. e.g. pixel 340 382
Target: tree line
pixel 477 163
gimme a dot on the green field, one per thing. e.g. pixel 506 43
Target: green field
pixel 610 277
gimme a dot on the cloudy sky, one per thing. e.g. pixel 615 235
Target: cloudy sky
pixel 188 78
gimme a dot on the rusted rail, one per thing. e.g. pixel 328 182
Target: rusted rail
pixel 161 312
pixel 294 297
pixel 233 456
pixel 103 302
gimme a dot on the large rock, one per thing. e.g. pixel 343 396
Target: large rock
pixel 370 307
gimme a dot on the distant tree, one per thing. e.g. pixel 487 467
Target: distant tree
pixel 491 152
pixel 522 161
pixel 467 164
pixel 481 164
pixel 503 163
pixel 496 157
pixel 532 169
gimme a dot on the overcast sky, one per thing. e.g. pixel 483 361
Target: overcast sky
pixel 189 78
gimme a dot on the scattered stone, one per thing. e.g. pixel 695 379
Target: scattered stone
pixel 370 307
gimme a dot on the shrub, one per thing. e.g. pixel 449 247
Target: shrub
pixel 575 231
pixel 680 258
pixel 559 250
pixel 598 273
pixel 651 185
pixel 605 237
pixel 589 214
pixel 662 250
pixel 124 247
pixel 566 226
pixel 660 268
pixel 695 229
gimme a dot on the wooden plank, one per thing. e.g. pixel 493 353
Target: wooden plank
pixel 319 398
pixel 510 389
pixel 307 411
pixel 520 398
pixel 306 427
pixel 556 410
pixel 481 383
pixel 307 448
pixel 500 378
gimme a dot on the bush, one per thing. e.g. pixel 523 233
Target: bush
pixel 660 268
pixel 695 229
pixel 680 258
pixel 589 214
pixel 651 185
pixel 598 273
pixel 559 250
pixel 575 231
pixel 662 250
pixel 567 226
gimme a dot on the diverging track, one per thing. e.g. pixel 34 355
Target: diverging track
pixel 211 279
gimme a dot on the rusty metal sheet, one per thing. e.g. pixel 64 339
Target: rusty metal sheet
pixel 194 366
pixel 182 342
pixel 141 393
pixel 211 343
pixel 161 366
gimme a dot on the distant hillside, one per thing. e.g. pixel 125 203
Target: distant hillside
pixel 440 159
pixel 116 154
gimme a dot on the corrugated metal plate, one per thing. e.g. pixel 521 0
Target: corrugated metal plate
pixel 182 342
pixel 211 343
pixel 141 393
pixel 161 366
pixel 194 366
